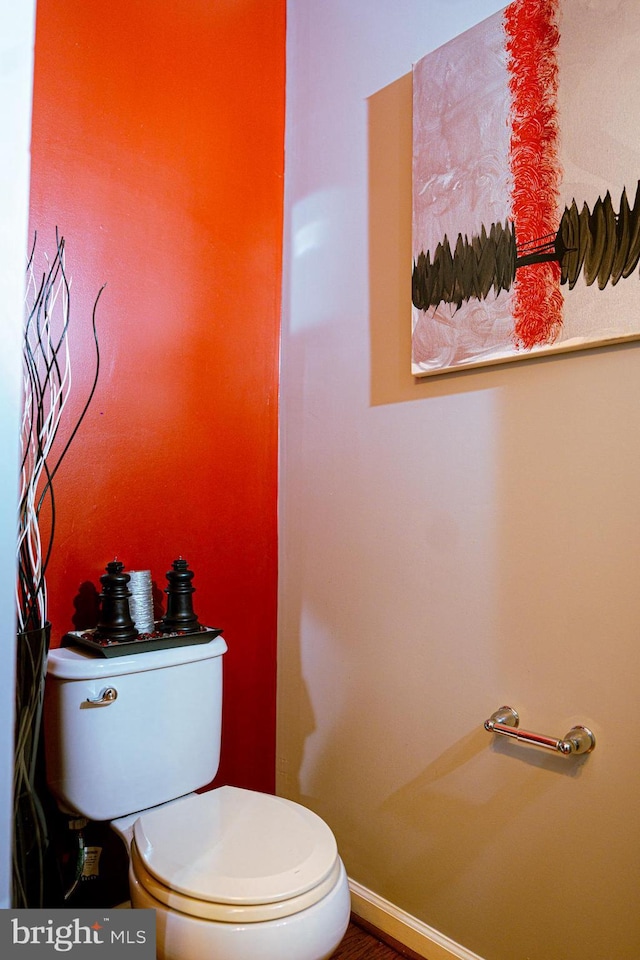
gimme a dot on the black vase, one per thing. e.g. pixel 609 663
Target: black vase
pixel 30 827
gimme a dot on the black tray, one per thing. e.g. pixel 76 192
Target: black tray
pixel 140 644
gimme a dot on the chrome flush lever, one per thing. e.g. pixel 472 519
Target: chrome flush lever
pixel 104 698
pixel 506 721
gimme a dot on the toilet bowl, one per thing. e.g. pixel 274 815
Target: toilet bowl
pixel 233 874
pixel 238 875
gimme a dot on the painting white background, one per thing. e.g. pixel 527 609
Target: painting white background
pixel 599 121
pixel 461 181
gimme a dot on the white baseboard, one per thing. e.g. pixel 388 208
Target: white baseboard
pixel 407 930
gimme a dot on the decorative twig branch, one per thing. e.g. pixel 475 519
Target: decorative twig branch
pixel 47 386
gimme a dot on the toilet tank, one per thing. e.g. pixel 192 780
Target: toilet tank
pixel 158 739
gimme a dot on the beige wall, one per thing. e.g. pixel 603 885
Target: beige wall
pixel 448 545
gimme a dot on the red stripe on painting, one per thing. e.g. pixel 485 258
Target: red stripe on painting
pixel 531 43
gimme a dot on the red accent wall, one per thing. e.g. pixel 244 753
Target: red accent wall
pixel 158 151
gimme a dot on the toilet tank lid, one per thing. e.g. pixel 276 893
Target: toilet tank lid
pixel 74 663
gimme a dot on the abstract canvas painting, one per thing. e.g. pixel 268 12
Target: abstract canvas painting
pixel 526 186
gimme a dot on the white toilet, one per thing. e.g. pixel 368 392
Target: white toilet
pixel 232 874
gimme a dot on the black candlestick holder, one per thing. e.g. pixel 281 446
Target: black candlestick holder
pixel 180 617
pixel 115 620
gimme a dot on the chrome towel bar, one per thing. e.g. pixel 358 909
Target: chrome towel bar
pixel 505 721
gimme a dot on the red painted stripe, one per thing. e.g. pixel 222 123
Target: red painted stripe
pixel 531 43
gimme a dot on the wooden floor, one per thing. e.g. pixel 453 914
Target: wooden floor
pixel 359 944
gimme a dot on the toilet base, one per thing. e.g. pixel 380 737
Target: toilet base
pixel 311 934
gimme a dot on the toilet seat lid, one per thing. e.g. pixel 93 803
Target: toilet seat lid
pixel 235 846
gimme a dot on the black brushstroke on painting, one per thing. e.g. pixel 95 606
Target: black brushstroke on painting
pixel 600 243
